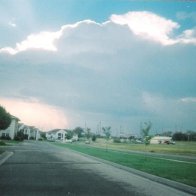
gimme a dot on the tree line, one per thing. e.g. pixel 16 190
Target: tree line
pixel 181 136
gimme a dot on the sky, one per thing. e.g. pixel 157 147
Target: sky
pixel 118 63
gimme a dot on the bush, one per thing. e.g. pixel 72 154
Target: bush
pixel 2 143
pixel 26 136
pixel 5 137
pixel 19 136
pixel 179 136
pixel 116 140
pixel 94 137
pixel 188 136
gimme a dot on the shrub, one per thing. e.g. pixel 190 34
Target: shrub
pixel 116 140
pixel 19 136
pixel 2 143
pixel 26 136
pixel 5 137
pixel 94 137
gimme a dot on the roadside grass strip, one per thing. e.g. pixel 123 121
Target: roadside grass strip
pixel 177 170
pixel 179 161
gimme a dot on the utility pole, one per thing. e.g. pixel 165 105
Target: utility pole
pixel 100 128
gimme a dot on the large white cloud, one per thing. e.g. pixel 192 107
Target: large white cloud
pixel 99 72
pixel 153 27
pixel 144 24
pixel 43 40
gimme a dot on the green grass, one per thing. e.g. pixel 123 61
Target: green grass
pixel 177 171
pixel 8 142
pixel 2 143
pixel 12 142
pixel 181 148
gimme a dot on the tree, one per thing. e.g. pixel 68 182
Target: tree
pixel 69 134
pixel 78 131
pixel 107 132
pixel 191 135
pixel 94 137
pixel 19 136
pixel 88 133
pixel 145 128
pixel 179 136
pixel 43 135
pixel 5 118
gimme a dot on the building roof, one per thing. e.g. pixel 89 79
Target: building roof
pixel 14 117
pixel 161 137
pixel 55 130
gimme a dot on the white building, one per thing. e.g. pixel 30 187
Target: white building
pixel 161 140
pixel 12 129
pixel 30 132
pixel 56 135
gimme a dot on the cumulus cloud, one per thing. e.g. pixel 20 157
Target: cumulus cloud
pixel 151 26
pixel 143 24
pixel 43 40
pixel 148 25
pixel 33 112
pixel 100 71
pixel 188 36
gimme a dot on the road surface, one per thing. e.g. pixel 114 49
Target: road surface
pixel 42 169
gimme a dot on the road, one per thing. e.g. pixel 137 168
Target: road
pixel 42 169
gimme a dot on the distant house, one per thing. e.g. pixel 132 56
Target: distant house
pixel 56 135
pixel 11 130
pixel 161 140
pixel 30 132
pixel 26 130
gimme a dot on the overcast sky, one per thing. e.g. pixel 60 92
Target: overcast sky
pixel 121 62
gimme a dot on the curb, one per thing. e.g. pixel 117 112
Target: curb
pixel 177 185
pixel 4 156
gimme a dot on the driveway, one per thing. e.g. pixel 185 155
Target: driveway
pixel 39 168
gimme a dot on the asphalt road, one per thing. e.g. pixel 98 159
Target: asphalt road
pixel 39 168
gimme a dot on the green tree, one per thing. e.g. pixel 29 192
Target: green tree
pixel 107 132
pixel 43 135
pixel 145 129
pixel 19 136
pixel 94 137
pixel 5 118
pixel 69 134
pixel 78 131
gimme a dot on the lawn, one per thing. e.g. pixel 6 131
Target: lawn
pixel 12 142
pixel 2 143
pixel 178 171
pixel 181 148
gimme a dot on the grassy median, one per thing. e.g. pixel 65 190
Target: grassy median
pixel 171 169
